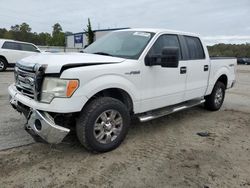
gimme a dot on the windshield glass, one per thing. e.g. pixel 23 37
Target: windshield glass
pixel 125 44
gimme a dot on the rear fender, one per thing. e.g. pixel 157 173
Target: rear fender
pixel 214 78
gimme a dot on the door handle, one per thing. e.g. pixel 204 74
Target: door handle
pixel 205 67
pixel 183 70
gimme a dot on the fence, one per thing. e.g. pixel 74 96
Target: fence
pixel 58 49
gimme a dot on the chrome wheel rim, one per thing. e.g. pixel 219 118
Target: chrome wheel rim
pixel 108 126
pixel 1 65
pixel 218 97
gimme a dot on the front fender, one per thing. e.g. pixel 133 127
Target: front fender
pixel 103 82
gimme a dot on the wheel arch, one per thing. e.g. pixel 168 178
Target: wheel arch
pixel 224 79
pixel 222 75
pixel 116 93
pixel 4 58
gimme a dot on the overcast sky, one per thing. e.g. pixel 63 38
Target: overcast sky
pixel 215 20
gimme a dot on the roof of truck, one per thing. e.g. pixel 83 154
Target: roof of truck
pixel 159 30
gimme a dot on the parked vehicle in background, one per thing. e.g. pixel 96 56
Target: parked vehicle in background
pixel 143 73
pixel 12 51
pixel 243 61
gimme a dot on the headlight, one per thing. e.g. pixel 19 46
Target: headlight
pixel 56 87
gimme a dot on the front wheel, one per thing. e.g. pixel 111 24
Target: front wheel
pixel 215 100
pixel 103 124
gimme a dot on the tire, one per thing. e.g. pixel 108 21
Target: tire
pixel 215 100
pixel 103 124
pixel 3 64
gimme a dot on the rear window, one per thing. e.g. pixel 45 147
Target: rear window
pixel 11 46
pixel 28 47
pixel 195 48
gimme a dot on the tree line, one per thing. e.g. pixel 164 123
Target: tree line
pixel 23 32
pixel 230 50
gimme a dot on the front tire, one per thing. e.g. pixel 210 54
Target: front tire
pixel 103 124
pixel 215 100
pixel 3 64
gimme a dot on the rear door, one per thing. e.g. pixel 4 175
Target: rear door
pixel 197 67
pixel 28 49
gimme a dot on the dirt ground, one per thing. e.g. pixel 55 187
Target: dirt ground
pixel 165 152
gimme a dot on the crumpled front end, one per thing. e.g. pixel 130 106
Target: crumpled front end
pixel 28 81
pixel 41 124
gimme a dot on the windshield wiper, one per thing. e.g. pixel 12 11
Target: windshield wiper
pixel 102 53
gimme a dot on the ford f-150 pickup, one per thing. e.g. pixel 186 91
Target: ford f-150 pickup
pixel 143 73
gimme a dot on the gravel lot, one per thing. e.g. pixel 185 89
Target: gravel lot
pixel 165 152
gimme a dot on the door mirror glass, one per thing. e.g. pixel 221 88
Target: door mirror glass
pixel 168 58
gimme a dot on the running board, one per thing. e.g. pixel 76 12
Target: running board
pixel 169 110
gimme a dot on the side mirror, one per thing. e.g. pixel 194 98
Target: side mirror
pixel 168 58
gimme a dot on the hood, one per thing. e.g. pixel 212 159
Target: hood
pixel 57 62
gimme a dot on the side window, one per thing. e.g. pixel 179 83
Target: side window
pixel 28 47
pixel 165 41
pixel 11 46
pixel 195 48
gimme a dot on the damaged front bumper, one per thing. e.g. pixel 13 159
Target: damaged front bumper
pixel 40 123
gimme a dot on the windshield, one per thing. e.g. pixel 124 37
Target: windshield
pixel 125 44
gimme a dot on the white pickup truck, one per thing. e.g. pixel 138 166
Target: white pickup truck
pixel 144 73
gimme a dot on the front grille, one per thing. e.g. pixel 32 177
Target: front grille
pixel 28 80
pixel 25 82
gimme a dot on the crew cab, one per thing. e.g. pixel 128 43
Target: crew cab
pixel 11 51
pixel 142 73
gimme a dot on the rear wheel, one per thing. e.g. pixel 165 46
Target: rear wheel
pixel 215 100
pixel 103 124
pixel 3 64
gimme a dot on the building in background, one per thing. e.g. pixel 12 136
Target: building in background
pixel 79 40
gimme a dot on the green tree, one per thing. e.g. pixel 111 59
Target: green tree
pixel 25 28
pixel 58 37
pixel 90 33
pixel 230 50
pixel 3 32
pixel 57 29
pixel 44 39
pixel 20 32
pixel 15 28
pixel 25 32
pixel 14 32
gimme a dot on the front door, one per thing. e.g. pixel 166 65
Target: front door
pixel 163 86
